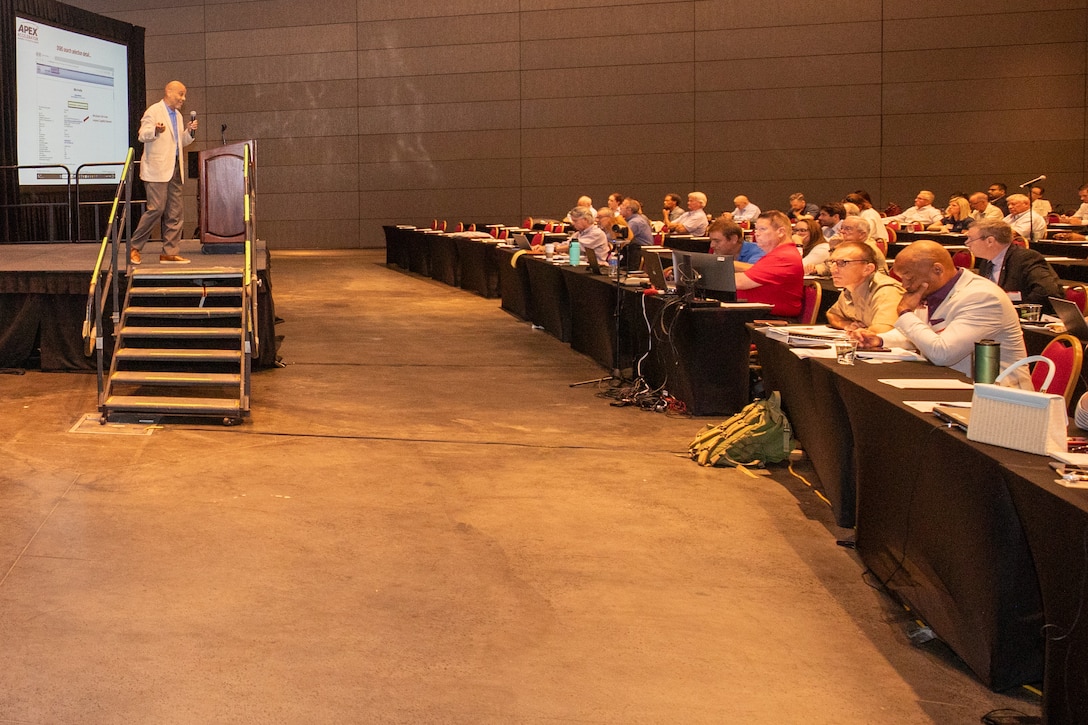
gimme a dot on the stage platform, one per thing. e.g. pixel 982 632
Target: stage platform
pixel 43 300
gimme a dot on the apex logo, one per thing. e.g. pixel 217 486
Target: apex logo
pixel 29 31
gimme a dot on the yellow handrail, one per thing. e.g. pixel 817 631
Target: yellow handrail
pixel 89 333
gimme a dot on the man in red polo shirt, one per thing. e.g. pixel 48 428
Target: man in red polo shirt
pixel 777 278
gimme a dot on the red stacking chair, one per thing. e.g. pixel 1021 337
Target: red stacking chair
pixel 882 246
pixel 811 294
pixel 1018 240
pixel 494 232
pixel 460 226
pixel 1067 353
pixel 504 233
pixel 472 227
pixel 537 239
pixel 892 236
pixel 964 259
pixel 1076 293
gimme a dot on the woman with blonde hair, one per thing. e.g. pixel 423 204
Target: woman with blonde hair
pixel 957 217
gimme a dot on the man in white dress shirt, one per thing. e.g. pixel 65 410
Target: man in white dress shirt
pixel 745 211
pixel 981 208
pixel 694 220
pixel 1080 216
pixel 1027 224
pixel 923 211
pixel 164 134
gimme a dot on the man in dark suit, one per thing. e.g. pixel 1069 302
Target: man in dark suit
pixel 1020 271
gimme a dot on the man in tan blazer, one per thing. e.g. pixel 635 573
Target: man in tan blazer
pixel 164 133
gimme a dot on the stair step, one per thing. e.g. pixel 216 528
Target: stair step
pixel 169 405
pixel 159 354
pixel 183 312
pixel 182 332
pixel 189 291
pixel 186 272
pixel 134 377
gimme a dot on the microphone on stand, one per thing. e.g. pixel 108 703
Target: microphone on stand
pixel 1040 177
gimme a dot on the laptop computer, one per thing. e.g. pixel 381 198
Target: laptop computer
pixel 1069 313
pixel 651 262
pixel 520 241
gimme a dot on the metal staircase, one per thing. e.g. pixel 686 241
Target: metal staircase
pixel 181 346
pixel 184 338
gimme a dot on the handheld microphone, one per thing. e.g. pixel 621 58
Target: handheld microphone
pixel 1040 177
pixel 192 117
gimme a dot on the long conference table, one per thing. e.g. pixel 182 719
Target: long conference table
pixel 699 355
pixel 977 540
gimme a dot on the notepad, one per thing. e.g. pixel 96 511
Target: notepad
pixel 927 384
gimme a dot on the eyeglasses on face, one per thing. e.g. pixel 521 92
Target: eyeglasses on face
pixel 836 263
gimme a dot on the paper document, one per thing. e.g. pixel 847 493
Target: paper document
pixel 927 384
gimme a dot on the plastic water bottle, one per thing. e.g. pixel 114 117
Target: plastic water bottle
pixel 575 252
pixel 614 266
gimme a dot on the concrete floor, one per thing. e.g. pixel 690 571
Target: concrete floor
pixel 422 523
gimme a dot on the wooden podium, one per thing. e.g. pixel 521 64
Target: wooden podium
pixel 222 200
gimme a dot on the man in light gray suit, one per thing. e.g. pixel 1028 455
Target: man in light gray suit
pixel 164 133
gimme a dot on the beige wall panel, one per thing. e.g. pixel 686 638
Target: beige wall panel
pixel 786 42
pixel 565 83
pixel 113 8
pixel 299 205
pixel 606 8
pixel 658 18
pixel 276 14
pixel 624 140
pixel 981 31
pixel 439 117
pixel 192 73
pixel 788 133
pixel 369 10
pixel 308 178
pixel 606 51
pixel 440 174
pixel 180 47
pixel 832 163
pixel 258 98
pixel 310 234
pixel 593 170
pixel 997 126
pixel 439 60
pixel 439 146
pixel 960 64
pixel 985 159
pixel 808 101
pixel 470 29
pixel 164 20
pixel 468 205
pixel 313 39
pixel 609 111
pixel 986 93
pixel 287 124
pixel 819 70
pixel 460 87
pixel 320 150
pixel 283 69
pixel 812 16
pixel 965 10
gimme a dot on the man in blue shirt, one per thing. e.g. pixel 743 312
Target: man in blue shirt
pixel 642 233
pixel 726 238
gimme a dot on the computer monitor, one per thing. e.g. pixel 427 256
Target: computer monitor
pixel 705 275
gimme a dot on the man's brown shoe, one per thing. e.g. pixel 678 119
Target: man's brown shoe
pixel 134 256
pixel 172 259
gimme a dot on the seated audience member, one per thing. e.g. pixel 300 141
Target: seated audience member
pixel 830 218
pixel 1039 205
pixel 614 201
pixel 745 210
pixel 727 238
pixel 923 211
pixel 981 208
pixel 801 209
pixel 694 220
pixel 996 194
pixel 642 232
pixel 777 278
pixel 813 247
pixel 1020 271
pixel 869 298
pixel 852 229
pixel 1080 216
pixel 877 227
pixel 606 220
pixel 851 208
pixel 671 211
pixel 1023 221
pixel 583 201
pixel 960 309
pixel 957 217
pixel 589 236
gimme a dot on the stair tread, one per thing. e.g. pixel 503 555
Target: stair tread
pixel 188 291
pixel 152 353
pixel 180 331
pixel 172 404
pixel 184 311
pixel 161 377
pixel 187 271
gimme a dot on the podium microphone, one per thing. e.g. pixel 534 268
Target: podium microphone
pixel 1040 177
pixel 223 134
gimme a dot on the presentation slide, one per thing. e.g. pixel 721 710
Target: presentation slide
pixel 72 92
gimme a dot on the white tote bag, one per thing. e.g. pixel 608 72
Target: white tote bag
pixel 1019 419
